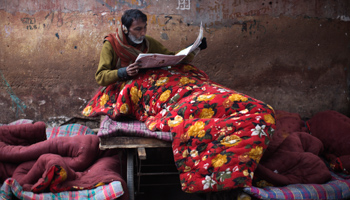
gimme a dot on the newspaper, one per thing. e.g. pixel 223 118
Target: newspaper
pixel 151 60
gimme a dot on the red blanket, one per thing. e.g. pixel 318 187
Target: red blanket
pixel 219 134
pixel 55 165
pixel 292 156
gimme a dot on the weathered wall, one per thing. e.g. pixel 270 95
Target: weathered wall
pixel 294 55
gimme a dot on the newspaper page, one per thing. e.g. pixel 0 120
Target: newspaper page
pixel 151 60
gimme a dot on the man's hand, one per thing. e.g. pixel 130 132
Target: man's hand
pixel 133 69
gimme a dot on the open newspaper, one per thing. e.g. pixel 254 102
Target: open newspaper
pixel 150 60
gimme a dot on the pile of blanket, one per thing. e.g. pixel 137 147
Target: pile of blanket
pixel 219 135
pixel 306 159
pixel 56 165
pixel 293 155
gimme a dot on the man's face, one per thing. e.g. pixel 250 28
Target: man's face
pixel 137 31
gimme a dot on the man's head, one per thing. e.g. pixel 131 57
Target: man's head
pixel 134 23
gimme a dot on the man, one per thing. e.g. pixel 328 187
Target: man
pixel 120 50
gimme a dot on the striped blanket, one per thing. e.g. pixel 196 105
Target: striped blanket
pixel 337 188
pixel 132 128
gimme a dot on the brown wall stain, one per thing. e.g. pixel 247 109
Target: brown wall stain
pixel 292 55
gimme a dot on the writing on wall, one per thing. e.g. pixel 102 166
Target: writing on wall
pixel 30 23
pixel 184 4
pixel 114 5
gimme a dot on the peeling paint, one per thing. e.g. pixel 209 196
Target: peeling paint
pixel 56 121
pixel 17 104
pixel 113 5
pixel 42 102
pixel 8 30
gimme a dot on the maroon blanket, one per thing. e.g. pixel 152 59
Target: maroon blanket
pixel 55 165
pixel 333 129
pixel 292 155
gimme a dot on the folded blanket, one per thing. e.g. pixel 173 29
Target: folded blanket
pixel 333 129
pixel 132 128
pixel 219 134
pixel 12 190
pixel 55 165
pixel 23 134
pixel 337 188
pixel 292 156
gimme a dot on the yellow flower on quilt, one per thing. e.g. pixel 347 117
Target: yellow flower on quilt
pixel 237 97
pixel 204 158
pixel 196 162
pixel 233 114
pixel 87 110
pixel 162 81
pixel 104 99
pixel 244 111
pixel 122 86
pixel 151 126
pixel 219 160
pixel 256 153
pixel 165 95
pixel 188 68
pixel 177 120
pixel 63 174
pixel 244 157
pixel 246 173
pixel 227 103
pixel 231 140
pixel 271 108
pixel 206 97
pixel 187 169
pixel 185 80
pixel 194 153
pixel 134 95
pixel 140 93
pixel 124 109
pixel 185 153
pixel 206 113
pixel 197 130
pixel 269 119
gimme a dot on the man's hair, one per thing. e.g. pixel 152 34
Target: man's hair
pixel 133 14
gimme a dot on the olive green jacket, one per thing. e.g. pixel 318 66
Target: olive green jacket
pixel 107 72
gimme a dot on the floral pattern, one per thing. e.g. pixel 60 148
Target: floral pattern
pixel 219 135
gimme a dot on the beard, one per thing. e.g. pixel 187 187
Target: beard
pixel 136 40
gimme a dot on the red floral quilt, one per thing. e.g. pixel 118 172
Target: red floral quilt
pixel 219 135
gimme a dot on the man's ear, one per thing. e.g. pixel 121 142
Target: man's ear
pixel 125 30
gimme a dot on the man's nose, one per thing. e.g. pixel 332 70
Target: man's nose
pixel 143 32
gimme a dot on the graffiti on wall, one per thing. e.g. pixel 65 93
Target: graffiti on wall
pixel 30 23
pixel 184 5
pixel 17 104
pixel 113 5
pixel 164 21
pixel 218 14
pixel 63 19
